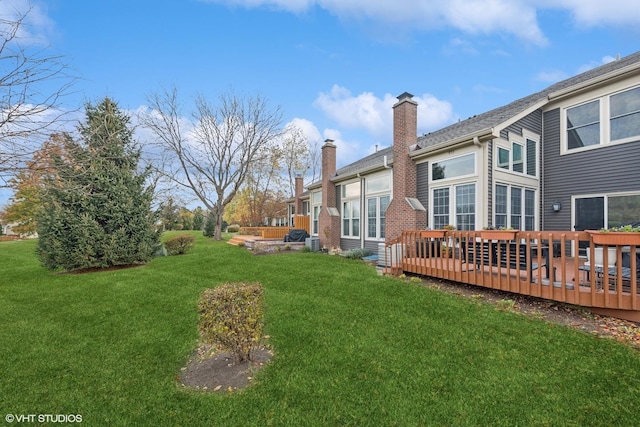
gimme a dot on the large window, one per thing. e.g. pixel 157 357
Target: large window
pixel 461 207
pixel 454 167
pixel 376 213
pixel 351 218
pixel 514 207
pixel 613 118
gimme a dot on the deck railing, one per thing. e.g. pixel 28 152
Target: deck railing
pixel 553 265
pixel 266 232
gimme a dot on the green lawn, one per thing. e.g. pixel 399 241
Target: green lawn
pixel 351 348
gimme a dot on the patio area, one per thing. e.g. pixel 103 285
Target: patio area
pixel 548 265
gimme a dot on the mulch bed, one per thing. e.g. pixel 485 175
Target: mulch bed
pixel 215 371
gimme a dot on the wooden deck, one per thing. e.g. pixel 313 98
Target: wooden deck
pixel 540 264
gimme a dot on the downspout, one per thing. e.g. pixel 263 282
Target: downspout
pixel 362 211
pixel 540 178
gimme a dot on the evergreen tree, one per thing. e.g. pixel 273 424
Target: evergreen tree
pixel 210 225
pixel 198 218
pixel 97 206
pixel 170 214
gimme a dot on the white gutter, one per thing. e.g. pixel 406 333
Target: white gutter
pixel 475 138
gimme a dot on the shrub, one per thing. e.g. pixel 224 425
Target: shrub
pixel 357 253
pixel 305 249
pixel 232 315
pixel 180 244
pixel 233 228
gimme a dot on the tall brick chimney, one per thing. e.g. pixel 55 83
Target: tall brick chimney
pixel 328 225
pixel 400 215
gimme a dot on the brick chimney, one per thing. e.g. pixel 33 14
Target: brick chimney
pixel 400 215
pixel 328 225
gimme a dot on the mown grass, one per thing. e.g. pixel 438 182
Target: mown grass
pixel 351 348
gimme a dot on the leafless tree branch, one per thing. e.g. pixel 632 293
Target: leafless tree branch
pixel 214 157
pixel 32 84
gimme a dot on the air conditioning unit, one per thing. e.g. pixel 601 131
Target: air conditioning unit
pixel 312 243
pixel 389 256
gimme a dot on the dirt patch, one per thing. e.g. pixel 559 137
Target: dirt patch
pixel 215 371
pixel 90 270
pixel 564 314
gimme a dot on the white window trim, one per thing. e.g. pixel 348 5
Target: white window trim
pixel 455 178
pixel 524 189
pixel 452 198
pixel 350 218
pixel 522 141
pixel 605 195
pixel 377 197
pixel 605 121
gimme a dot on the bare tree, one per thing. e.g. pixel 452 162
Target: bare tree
pixel 32 83
pixel 295 154
pixel 214 157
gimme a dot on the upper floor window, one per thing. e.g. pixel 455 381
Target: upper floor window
pixel 351 190
pixel 625 114
pixel 583 125
pixel 520 158
pixel 316 197
pixel 378 184
pixel 454 167
pixel 613 118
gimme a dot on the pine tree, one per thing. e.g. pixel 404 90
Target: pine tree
pixel 210 225
pixel 198 218
pixel 97 210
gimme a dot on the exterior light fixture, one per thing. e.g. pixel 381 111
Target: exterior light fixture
pixel 556 206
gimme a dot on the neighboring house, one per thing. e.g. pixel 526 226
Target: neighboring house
pixel 565 158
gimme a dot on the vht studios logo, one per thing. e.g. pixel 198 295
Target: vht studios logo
pixel 43 418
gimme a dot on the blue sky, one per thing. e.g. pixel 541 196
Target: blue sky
pixel 335 66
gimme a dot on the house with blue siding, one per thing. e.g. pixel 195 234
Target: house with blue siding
pixel 564 158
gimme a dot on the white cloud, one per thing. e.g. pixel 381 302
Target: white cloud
pixel 375 115
pixel 308 129
pixel 364 111
pixel 599 13
pixel 514 17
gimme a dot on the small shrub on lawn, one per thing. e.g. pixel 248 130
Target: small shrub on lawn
pixel 232 315
pixel 180 244
pixel 305 249
pixel 233 228
pixel 357 253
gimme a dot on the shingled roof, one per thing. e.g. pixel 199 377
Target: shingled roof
pixel 494 118
pixel 371 162
pixel 487 120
